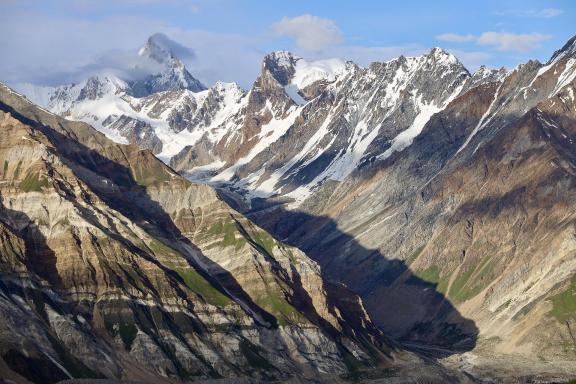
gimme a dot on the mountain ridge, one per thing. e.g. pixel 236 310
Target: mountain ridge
pixel 437 195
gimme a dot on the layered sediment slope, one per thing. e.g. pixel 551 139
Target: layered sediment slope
pixel 114 266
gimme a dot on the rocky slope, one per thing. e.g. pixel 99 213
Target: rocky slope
pixel 480 205
pixel 416 170
pixel 114 266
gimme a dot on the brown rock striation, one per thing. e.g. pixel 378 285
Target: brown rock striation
pixel 114 266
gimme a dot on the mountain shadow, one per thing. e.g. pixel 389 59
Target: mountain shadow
pixel 133 202
pixel 39 257
pixel 406 307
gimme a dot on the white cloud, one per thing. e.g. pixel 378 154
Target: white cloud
pixel 549 12
pixel 545 13
pixel 502 41
pixel 49 54
pixel 456 38
pixel 312 33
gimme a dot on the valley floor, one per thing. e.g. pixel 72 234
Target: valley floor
pixel 468 367
pixel 511 369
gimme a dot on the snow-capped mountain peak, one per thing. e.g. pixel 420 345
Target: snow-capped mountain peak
pixel 441 56
pixel 289 69
pixel 159 48
pixel 283 59
pixel 173 76
pixel 97 86
pixel 304 124
pixel 569 49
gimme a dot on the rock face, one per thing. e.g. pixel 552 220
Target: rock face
pixel 138 132
pixel 112 265
pixel 443 198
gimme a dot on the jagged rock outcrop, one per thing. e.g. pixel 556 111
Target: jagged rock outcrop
pixel 138 132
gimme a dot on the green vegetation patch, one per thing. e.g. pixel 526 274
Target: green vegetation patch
pixel 149 175
pixel 472 281
pixel 283 311
pixel 430 274
pixel 5 167
pixel 266 241
pixel 195 282
pixel 524 311
pixel 442 286
pixel 227 233
pixel 564 303
pixel 159 247
pixel 17 170
pixel 34 182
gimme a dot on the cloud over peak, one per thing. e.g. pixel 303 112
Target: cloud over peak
pixel 311 33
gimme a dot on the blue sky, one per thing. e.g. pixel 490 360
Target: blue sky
pixel 51 42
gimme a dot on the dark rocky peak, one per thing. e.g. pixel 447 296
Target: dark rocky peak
pixel 528 68
pixel 569 49
pixel 281 64
pixel 97 86
pixel 485 74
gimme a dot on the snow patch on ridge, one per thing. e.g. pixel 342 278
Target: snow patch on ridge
pixel 203 173
pixel 292 91
pixel 309 72
pixel 112 101
pixel 566 77
pixel 269 134
pixel 406 137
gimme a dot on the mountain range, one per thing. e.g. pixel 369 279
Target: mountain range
pixel 341 218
